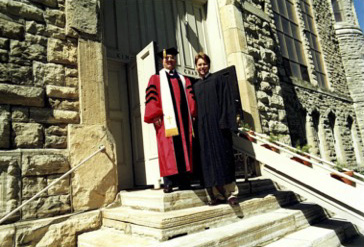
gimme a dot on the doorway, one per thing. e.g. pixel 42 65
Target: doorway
pixel 119 120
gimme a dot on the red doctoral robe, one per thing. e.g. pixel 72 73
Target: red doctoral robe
pixel 166 146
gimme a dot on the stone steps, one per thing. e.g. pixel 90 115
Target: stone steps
pixel 250 231
pixel 166 225
pixel 330 233
pixel 156 200
pixel 264 215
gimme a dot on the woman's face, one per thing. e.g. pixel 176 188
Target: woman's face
pixel 202 67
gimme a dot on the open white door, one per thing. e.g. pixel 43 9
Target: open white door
pixel 145 150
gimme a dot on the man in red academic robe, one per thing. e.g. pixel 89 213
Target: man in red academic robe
pixel 170 106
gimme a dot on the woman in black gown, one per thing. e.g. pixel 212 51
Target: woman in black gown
pixel 215 121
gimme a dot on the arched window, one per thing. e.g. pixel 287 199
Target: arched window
pixel 336 6
pixel 313 137
pixel 336 136
pixel 355 141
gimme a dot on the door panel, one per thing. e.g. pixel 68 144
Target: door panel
pixel 144 137
pixel 118 109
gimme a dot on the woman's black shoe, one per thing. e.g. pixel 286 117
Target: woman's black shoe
pixel 168 189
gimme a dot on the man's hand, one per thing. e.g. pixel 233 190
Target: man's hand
pixel 158 122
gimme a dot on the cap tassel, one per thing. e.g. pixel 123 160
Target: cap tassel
pixel 164 53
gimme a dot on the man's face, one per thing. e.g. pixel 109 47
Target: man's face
pixel 169 62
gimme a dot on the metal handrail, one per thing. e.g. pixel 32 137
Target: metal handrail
pixel 101 148
pixel 283 147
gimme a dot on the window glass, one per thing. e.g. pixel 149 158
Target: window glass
pixel 289 37
pixel 337 10
pixel 286 27
pixel 310 32
pixel 282 8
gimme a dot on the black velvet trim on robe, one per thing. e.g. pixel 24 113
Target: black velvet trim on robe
pixel 177 140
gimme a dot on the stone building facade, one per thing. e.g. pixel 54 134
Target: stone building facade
pixel 299 72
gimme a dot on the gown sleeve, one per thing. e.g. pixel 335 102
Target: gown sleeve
pixel 153 104
pixel 191 98
pixel 227 118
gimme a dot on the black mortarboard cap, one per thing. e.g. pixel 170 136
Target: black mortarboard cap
pixel 169 51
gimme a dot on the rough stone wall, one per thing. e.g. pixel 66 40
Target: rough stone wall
pixel 290 101
pixel 39 84
pixel 261 46
pixel 351 41
pixel 38 99
pixel 329 47
pixel 42 129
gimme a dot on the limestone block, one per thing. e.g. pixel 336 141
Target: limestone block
pixel 19 114
pixel 32 185
pixel 56 137
pixel 263 97
pixel 63 52
pixel 28 135
pixel 48 74
pixel 282 115
pixel 60 188
pixel 36 39
pixel 92 86
pixel 42 115
pixel 7 236
pixel 35 28
pixel 278 127
pixel 49 3
pixel 24 10
pixel 4 56
pixel 44 164
pixel 62 92
pixel 55 142
pixel 269 77
pixel 94 184
pixel 71 72
pixel 20 74
pixel 9 184
pixel 4 133
pixel 4 112
pixel 266 87
pixel 11 29
pixel 268 56
pixel 71 82
pixel 24 52
pixel 276 101
pixel 46 207
pixel 231 17
pixel 4 43
pixel 4 73
pixel 64 104
pixel 234 40
pixel 55 17
pixel 55 32
pixel 56 130
pixel 82 16
pixel 35 232
pixel 21 95
pixel 4 127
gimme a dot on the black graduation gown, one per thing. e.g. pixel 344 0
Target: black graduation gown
pixel 215 120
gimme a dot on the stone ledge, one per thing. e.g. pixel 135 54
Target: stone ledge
pixel 21 95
